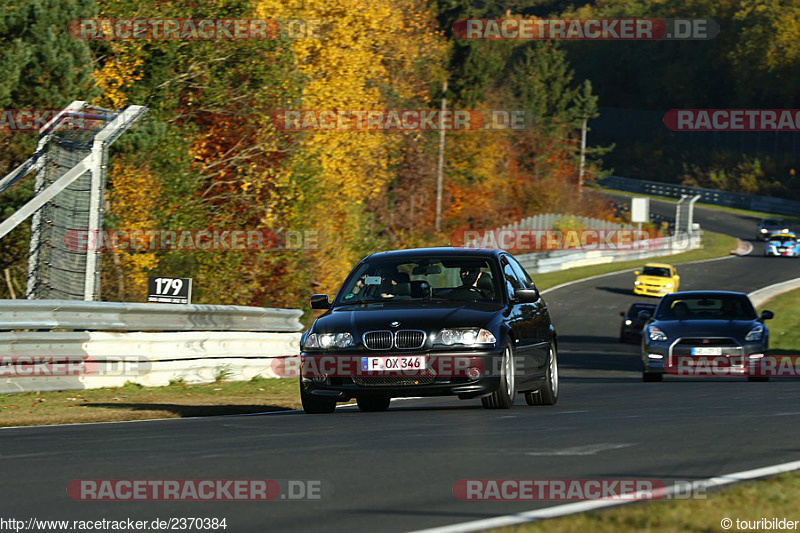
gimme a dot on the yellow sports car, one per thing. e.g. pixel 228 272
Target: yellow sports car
pixel 656 279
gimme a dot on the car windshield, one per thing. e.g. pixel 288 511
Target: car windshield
pixel 773 222
pixel 709 307
pixel 421 278
pixel 783 239
pixel 656 271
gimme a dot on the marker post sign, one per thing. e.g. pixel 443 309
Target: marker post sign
pixel 640 210
pixel 169 290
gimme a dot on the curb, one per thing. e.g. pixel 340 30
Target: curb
pixel 763 295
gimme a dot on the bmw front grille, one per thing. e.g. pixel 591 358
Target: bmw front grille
pixel 404 339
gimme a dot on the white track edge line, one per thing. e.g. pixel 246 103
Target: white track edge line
pixel 580 507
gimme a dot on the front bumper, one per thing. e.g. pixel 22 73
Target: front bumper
pixel 467 374
pixel 735 359
pixel 650 290
pixel 772 253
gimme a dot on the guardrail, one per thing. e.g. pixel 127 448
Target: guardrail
pixel 753 202
pixel 539 263
pixel 115 316
pixel 149 344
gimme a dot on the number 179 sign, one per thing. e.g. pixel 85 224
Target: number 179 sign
pixel 169 290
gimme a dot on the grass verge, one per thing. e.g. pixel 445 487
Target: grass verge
pixel 714 245
pixel 774 497
pixel 134 402
pixel 784 329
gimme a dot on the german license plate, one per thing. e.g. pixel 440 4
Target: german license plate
pixel 706 351
pixel 393 363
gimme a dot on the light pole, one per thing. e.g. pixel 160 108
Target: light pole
pixel 440 169
pixel 583 155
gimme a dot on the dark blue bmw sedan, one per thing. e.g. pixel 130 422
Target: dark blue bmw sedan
pixel 431 322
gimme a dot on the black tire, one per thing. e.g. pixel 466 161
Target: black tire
pixel 314 405
pixel 652 377
pixel 758 378
pixel 548 392
pixel 503 397
pixel 373 404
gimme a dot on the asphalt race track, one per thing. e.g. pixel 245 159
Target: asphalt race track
pixel 395 471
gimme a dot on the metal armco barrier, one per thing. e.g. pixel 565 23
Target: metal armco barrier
pixel 114 316
pixel 539 263
pixel 149 344
pixel 753 202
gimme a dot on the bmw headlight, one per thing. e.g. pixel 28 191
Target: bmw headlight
pixel 656 334
pixel 637 282
pixel 329 340
pixel 628 322
pixel 467 336
pixel 755 334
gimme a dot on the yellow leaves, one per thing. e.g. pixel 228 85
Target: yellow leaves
pixel 133 195
pixel 365 47
pixel 118 73
pixel 133 198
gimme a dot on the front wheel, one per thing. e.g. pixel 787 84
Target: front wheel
pixel 503 397
pixel 314 405
pixel 757 378
pixel 548 393
pixel 651 377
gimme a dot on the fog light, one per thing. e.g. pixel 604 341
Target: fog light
pixel 474 373
pixel 320 379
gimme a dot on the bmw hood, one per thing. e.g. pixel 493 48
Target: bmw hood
pixel 358 319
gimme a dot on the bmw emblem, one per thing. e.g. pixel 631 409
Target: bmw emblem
pixel 394 324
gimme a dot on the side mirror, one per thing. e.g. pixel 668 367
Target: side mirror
pixel 622 314
pixel 767 315
pixel 644 314
pixel 637 272
pixel 320 301
pixel 526 295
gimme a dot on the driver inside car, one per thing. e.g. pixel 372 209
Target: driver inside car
pixel 471 287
